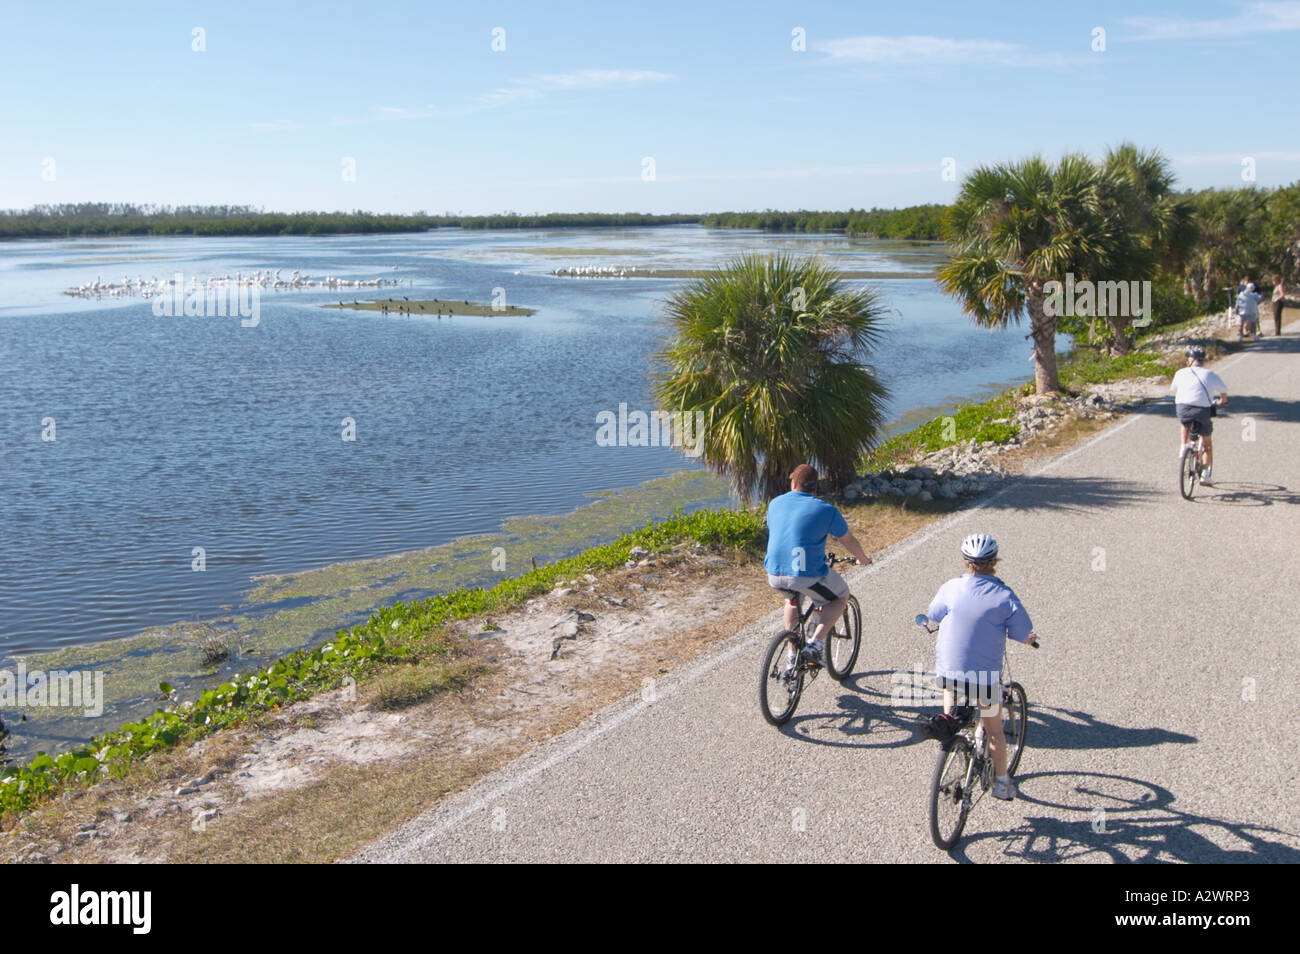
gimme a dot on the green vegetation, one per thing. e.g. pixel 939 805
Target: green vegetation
pixel 977 420
pixel 409 634
pixel 767 354
pixel 922 222
pixel 1093 366
pixel 643 271
pixel 433 306
pixel 106 219
pixel 1019 229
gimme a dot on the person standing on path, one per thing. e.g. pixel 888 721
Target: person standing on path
pixel 1248 312
pixel 1279 300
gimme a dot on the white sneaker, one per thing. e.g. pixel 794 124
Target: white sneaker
pixel 1183 450
pixel 1205 477
pixel 1004 788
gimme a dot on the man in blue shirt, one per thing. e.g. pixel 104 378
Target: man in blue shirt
pixel 798 524
pixel 977 613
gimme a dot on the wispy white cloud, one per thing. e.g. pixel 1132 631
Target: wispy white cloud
pixel 534 87
pixel 274 125
pixel 926 51
pixel 1254 19
pixel 902 49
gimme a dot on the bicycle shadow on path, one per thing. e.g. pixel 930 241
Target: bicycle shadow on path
pixel 1126 820
pixel 1244 493
pixel 865 719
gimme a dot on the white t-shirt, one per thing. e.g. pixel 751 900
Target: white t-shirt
pixel 1196 386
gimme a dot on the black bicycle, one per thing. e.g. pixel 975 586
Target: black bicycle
pixel 1190 466
pixel 965 762
pixel 785 668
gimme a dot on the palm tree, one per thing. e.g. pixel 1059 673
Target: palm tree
pixel 1016 227
pixel 1229 241
pixel 770 351
pixel 1151 225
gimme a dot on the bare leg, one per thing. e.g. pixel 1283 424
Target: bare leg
pixel 1208 453
pixel 992 718
pixel 791 615
pixel 831 613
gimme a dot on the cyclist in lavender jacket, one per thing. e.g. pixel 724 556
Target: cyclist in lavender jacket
pixel 977 613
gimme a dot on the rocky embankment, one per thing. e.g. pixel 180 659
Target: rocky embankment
pixel 971 468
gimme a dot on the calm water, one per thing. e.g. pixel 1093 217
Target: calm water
pixel 176 433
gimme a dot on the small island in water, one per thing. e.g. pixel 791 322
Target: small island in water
pixel 433 306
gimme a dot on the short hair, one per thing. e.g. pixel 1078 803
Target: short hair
pixel 804 477
pixel 982 566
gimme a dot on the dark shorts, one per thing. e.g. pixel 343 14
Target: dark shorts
pixel 1188 413
pixel 984 691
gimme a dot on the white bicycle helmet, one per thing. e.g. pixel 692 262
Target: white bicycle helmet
pixel 979 546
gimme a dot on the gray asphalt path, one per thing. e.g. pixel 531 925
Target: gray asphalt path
pixel 1161 704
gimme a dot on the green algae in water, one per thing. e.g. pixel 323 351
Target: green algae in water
pixel 285 612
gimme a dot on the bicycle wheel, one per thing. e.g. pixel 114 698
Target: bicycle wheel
pixel 1015 722
pixel 1187 474
pixel 781 680
pixel 948 792
pixel 842 647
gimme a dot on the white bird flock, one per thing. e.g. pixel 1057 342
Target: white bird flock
pixel 267 278
pixel 596 271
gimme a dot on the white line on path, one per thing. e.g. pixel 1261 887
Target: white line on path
pixel 693 673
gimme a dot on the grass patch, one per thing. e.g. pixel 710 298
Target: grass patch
pixel 1087 365
pixel 978 421
pixel 399 687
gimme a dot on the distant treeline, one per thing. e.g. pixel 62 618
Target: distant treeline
pixel 913 222
pixel 110 219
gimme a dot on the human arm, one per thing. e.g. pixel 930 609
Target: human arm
pixel 1019 626
pixel 1218 389
pixel 939 605
pixel 850 543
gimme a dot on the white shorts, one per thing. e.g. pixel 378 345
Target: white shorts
pixel 820 589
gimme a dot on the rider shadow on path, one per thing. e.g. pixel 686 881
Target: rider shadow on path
pixel 869 717
pixel 1125 820
pixel 1070 729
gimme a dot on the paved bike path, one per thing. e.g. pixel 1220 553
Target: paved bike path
pixel 1161 703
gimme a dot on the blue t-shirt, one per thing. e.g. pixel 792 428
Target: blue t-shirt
pixel 976 614
pixel 797 525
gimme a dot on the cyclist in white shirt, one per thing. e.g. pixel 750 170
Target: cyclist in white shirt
pixel 1197 390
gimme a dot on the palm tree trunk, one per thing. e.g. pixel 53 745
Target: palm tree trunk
pixel 1123 344
pixel 1043 328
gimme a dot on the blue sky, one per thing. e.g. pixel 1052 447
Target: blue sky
pixel 564 117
